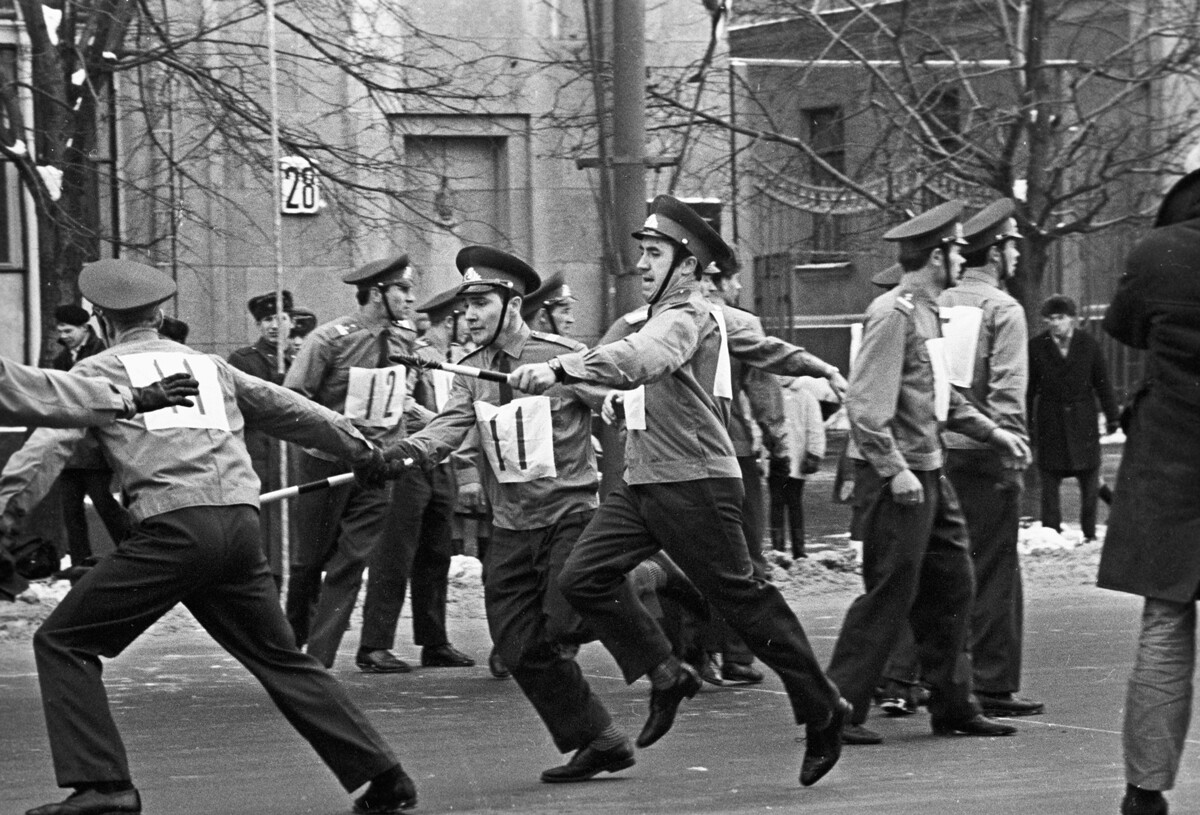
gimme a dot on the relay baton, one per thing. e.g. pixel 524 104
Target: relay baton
pixel 312 486
pixel 434 365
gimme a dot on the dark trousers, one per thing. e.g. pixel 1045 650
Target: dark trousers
pixel 338 531
pixel 916 567
pixel 787 513
pixel 75 483
pixel 699 524
pixel 1089 494
pixel 209 559
pixel 415 550
pixel 530 620
pixel 993 520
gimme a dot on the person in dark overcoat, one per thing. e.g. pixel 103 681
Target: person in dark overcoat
pixel 1150 549
pixel 1067 376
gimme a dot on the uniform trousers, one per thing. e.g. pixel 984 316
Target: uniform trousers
pixel 530 620
pixel 1158 702
pixel 699 524
pixel 210 559
pixel 339 530
pixel 75 483
pixel 916 567
pixel 994 521
pixel 1089 496
pixel 419 525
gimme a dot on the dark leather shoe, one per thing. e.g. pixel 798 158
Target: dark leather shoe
pixel 823 745
pixel 710 671
pixel 589 762
pixel 497 667
pixel 93 802
pixel 975 726
pixel 380 661
pixel 1138 801
pixel 1008 704
pixel 857 734
pixel 444 656
pixel 391 791
pixel 739 674
pixel 664 703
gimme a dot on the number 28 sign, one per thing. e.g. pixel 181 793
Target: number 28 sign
pixel 301 187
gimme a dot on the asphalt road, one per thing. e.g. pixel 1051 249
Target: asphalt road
pixel 203 738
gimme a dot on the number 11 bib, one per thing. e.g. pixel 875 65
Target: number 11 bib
pixel 518 438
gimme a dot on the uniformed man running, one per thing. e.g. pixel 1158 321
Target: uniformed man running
pixel 916 563
pixel 682 490
pixel 541 480
pixel 193 497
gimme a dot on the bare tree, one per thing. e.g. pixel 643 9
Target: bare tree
pixel 1081 108
pixel 187 83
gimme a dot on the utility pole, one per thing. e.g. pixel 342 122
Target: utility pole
pixel 629 142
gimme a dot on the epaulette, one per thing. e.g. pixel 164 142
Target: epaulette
pixel 904 302
pixel 638 315
pixel 557 339
pixel 344 329
pixel 422 343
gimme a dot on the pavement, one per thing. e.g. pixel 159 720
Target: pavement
pixel 204 738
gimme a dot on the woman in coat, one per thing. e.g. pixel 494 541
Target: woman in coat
pixel 1154 524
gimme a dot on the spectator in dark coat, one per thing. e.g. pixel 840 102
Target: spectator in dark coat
pixel 1150 549
pixel 75 336
pixel 1067 376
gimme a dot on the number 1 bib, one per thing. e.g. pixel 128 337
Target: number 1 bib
pixel 518 438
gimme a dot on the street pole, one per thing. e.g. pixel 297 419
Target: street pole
pixel 629 143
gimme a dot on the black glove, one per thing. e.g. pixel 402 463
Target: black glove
pixel 167 392
pixel 371 471
pixel 780 467
pixel 811 463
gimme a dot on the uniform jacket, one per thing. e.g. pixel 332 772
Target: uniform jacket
pixel 756 397
pixel 321 371
pixel 1062 401
pixel 91 345
pixel 1154 523
pixel 259 360
pixel 173 468
pixel 890 402
pixel 1000 376
pixel 34 396
pixel 543 501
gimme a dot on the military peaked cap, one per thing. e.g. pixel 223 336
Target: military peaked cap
pixel 263 306
pixel 123 285
pixel 378 272
pixel 485 267
pixel 554 291
pixel 994 223
pixel 72 314
pixel 1182 202
pixel 929 230
pixel 440 305
pixel 675 221
pixel 303 321
pixel 889 278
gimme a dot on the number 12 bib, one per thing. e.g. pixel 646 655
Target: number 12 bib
pixel 518 438
pixel 375 396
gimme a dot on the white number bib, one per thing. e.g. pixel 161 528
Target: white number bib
pixel 634 402
pixel 518 438
pixel 208 409
pixel 375 397
pixel 941 378
pixel 960 328
pixel 442 382
pixel 723 382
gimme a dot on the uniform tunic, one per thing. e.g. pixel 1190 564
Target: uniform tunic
pixel 340 528
pixel 915 560
pixel 194 496
pixel 683 494
pixel 536 524
pixel 999 378
pixel 33 396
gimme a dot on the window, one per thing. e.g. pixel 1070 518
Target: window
pixel 826 134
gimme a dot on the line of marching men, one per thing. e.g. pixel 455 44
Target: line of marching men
pixel 563 567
